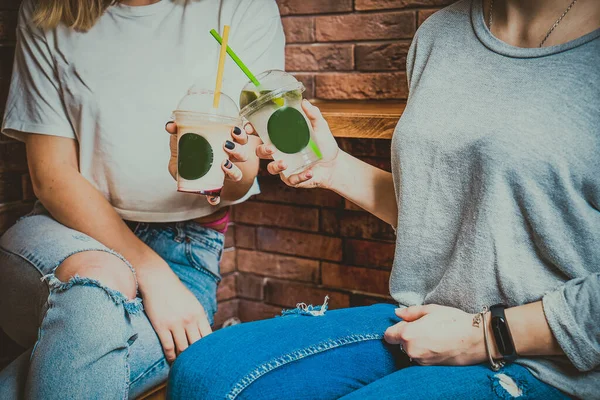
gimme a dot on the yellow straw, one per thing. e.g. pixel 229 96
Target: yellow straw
pixel 222 57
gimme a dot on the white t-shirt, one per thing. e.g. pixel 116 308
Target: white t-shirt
pixel 114 87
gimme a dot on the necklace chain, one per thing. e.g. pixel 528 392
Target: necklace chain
pixel 549 31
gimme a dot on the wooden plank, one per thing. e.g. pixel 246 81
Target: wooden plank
pixel 158 393
pixel 362 119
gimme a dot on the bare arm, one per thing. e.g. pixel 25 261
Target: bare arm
pixel 74 202
pixel 366 186
pixel 176 315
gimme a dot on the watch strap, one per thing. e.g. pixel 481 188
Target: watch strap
pixel 501 332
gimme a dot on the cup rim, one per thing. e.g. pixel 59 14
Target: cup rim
pixel 255 105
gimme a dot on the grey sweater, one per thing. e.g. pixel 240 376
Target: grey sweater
pixel 496 164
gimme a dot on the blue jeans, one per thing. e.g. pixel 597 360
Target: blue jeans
pixel 85 340
pixel 339 355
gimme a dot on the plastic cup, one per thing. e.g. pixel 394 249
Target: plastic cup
pixel 274 109
pixel 201 133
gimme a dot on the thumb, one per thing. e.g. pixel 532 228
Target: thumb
pixel 412 313
pixel 313 113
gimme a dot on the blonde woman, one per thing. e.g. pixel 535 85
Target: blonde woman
pixel 94 82
pixel 495 196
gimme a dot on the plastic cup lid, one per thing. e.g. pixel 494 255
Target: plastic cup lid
pixel 273 83
pixel 199 100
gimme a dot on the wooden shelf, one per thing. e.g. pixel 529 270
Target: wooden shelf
pixel 361 119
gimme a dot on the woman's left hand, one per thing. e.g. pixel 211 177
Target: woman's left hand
pixel 235 148
pixel 438 335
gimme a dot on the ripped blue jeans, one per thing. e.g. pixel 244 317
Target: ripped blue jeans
pixel 338 355
pixel 85 340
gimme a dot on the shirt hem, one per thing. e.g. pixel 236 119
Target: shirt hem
pixel 158 217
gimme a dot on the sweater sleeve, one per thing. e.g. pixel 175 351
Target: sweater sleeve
pixel 573 313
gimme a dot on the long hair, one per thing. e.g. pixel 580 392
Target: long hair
pixel 77 14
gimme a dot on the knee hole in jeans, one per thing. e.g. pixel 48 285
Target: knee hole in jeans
pixel 102 266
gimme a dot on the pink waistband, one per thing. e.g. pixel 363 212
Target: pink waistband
pixel 223 220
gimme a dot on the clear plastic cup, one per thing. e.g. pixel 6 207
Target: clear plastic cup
pixel 201 133
pixel 274 109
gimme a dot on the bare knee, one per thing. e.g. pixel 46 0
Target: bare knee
pixel 104 267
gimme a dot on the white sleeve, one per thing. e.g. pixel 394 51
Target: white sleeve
pixel 34 104
pixel 257 38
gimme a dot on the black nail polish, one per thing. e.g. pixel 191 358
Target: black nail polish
pixel 167 124
pixel 228 164
pixel 237 131
pixel 229 145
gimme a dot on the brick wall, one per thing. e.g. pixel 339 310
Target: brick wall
pixel 299 245
pixel 287 246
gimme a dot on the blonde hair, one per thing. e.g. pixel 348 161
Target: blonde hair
pixel 80 15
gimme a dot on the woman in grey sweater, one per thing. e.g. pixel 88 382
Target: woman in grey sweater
pixel 495 195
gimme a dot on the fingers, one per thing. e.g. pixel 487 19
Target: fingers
pixel 276 167
pixel 213 200
pixel 394 334
pixel 180 339
pixel 193 334
pixel 302 177
pixel 232 172
pixel 412 313
pixel 173 159
pixel 249 128
pixel 237 152
pixel 204 326
pixel 313 113
pixel 166 341
pixel 265 151
pixel 171 127
pixel 239 136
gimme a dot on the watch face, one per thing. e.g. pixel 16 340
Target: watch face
pixel 502 336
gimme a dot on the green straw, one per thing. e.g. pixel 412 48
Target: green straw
pixel 236 59
pixel 255 81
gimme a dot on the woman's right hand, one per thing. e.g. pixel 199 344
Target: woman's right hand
pixel 319 174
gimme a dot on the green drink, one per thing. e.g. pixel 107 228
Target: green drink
pixel 275 111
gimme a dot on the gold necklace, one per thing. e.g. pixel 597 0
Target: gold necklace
pixel 549 31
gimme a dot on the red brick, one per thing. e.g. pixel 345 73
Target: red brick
pixel 230 237
pixel 299 243
pixel 228 261
pixel 362 5
pixel 360 299
pixel 227 288
pixel 288 294
pixel 273 189
pixel 250 286
pixel 369 253
pixel 372 26
pixel 287 7
pixel 278 266
pixel 308 80
pixel 226 309
pixel 367 86
pixel 267 214
pixel 378 162
pixel 366 147
pixel 381 57
pixel 355 224
pixel 299 29
pixel 422 15
pixel 254 311
pixel 355 278
pixel 245 236
pixel 319 57
pixel 8 25
pixel 348 205
pixel 10 186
